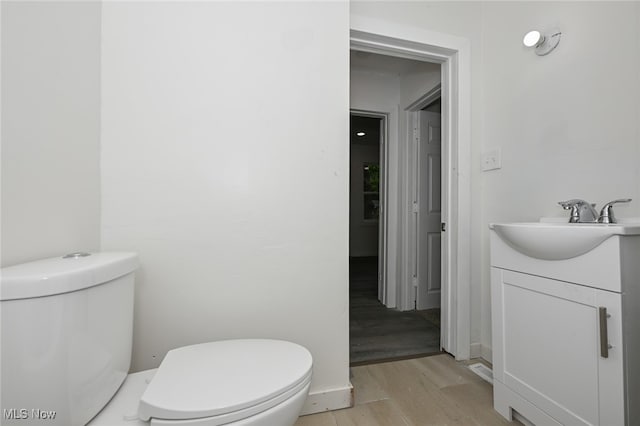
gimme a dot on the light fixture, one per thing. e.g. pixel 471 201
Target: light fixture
pixel 543 43
pixel 532 38
pixel 360 134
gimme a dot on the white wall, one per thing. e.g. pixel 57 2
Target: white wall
pixel 416 83
pixel 567 123
pixel 376 92
pixel 50 129
pixel 225 166
pixel 373 90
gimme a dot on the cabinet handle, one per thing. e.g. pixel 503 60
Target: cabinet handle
pixel 604 333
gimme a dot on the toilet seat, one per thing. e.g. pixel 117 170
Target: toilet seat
pixel 225 381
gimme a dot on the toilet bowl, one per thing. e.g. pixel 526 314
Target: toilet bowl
pixel 66 348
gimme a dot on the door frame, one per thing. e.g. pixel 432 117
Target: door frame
pixel 384 287
pixel 454 55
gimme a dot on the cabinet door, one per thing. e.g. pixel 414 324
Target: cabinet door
pixel 547 347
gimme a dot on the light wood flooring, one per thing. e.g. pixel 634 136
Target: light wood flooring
pixel 435 390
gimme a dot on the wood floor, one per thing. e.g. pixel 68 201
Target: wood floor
pixel 378 333
pixel 427 391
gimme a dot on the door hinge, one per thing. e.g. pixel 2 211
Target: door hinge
pixel 414 281
pixel 443 226
pixel 416 207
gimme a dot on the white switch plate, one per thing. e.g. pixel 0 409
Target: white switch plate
pixel 492 160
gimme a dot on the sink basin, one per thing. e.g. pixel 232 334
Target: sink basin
pixel 557 241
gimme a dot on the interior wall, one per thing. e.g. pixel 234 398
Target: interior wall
pixel 375 92
pixel 225 161
pixel 567 123
pixel 50 129
pixel 417 83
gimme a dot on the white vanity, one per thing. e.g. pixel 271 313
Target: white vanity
pixel 566 322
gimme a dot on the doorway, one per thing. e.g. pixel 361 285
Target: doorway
pixel 380 329
pixel 367 193
pixel 454 55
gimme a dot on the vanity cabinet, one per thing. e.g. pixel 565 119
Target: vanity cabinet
pixel 566 334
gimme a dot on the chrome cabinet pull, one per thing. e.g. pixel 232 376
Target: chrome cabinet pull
pixel 604 333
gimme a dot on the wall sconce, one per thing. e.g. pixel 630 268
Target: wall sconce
pixel 543 43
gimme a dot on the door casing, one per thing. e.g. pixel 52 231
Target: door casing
pixel 383 287
pixel 454 56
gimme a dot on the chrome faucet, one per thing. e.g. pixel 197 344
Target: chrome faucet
pixel 581 211
pixel 606 214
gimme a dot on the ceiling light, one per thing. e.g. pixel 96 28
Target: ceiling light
pixel 360 134
pixel 543 43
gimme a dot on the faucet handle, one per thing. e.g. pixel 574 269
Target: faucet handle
pixel 606 214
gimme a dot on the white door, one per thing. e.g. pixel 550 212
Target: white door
pixel 429 210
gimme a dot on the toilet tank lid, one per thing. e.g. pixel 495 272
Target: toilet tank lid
pixel 218 378
pixel 58 275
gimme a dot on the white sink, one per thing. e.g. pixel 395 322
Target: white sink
pixel 557 241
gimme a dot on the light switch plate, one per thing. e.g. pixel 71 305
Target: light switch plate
pixel 492 160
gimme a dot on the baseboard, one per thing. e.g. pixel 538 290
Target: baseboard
pixel 327 400
pixel 478 350
pixel 475 350
pixel 486 353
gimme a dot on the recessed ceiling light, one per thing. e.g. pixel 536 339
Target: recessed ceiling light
pixel 360 134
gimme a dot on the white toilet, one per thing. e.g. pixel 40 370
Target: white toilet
pixel 67 328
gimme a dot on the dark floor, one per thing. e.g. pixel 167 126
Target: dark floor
pixel 381 334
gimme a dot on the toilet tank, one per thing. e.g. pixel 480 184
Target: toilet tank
pixel 66 336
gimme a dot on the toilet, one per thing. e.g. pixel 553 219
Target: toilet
pixel 67 327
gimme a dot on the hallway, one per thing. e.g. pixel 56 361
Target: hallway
pixel 378 333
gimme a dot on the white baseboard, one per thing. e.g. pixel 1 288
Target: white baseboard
pixel 486 353
pixel 478 350
pixel 475 350
pixel 327 400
